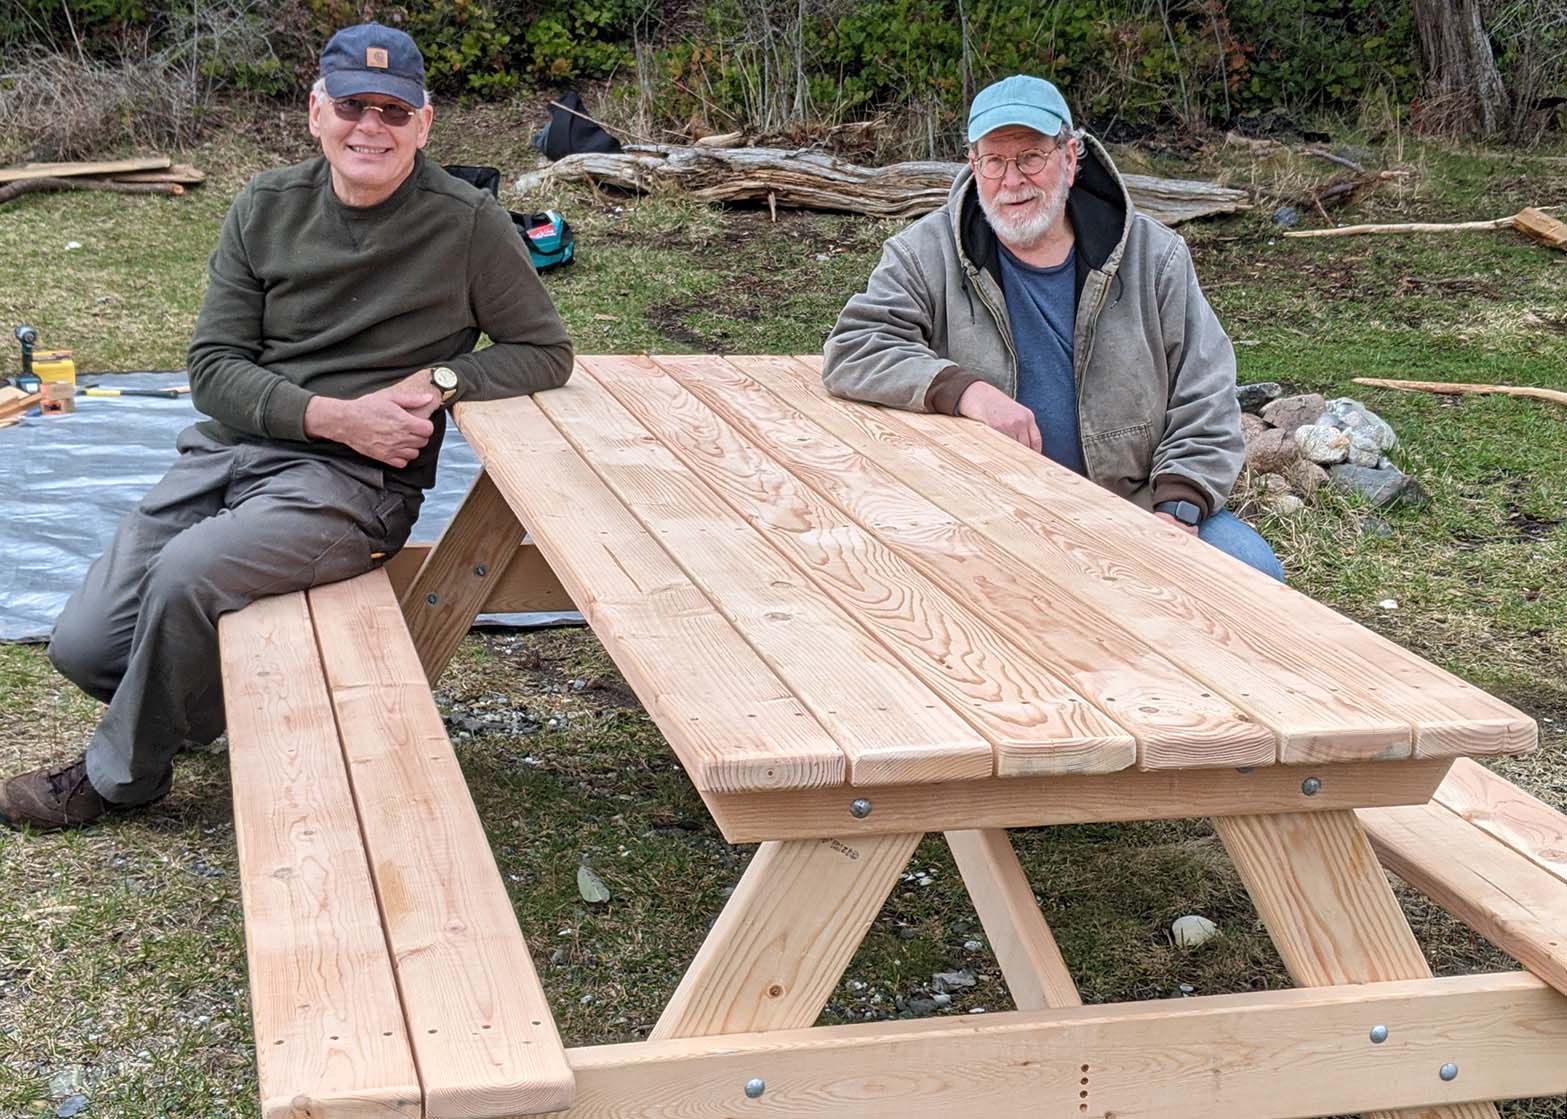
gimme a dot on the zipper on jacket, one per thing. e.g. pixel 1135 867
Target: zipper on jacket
pixel 1001 322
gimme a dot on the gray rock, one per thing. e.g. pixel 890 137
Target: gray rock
pixel 1273 485
pixel 1375 526
pixel 1352 416
pixel 1305 477
pixel 1253 426
pixel 1383 489
pixel 1293 411
pixel 1322 444
pixel 1285 504
pixel 1253 397
pixel 1363 449
pixel 1271 451
pixel 945 981
pixel 919 1006
pixel 1285 217
pixel 71 1105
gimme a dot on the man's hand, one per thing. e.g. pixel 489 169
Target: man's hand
pixel 1190 530
pixel 984 402
pixel 390 425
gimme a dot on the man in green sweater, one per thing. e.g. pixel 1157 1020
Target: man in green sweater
pixel 346 295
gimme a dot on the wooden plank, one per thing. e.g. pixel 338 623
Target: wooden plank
pixel 1013 704
pixel 1495 805
pixel 1504 896
pixel 1542 227
pixel 1329 909
pixel 481 1028
pixel 1022 802
pixel 725 714
pixel 460 573
pixel 1221 607
pixel 525 586
pixel 15 402
pixel 68 170
pixel 792 925
pixel 1036 975
pixel 1077 649
pixel 330 1035
pixel 1265 1055
pixel 892 728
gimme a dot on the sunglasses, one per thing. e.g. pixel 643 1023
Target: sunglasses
pixel 352 109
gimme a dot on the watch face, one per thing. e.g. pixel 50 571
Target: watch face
pixel 444 378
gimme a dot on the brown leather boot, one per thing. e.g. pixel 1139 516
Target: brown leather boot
pixel 57 796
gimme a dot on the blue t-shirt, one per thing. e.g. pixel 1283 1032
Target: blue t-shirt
pixel 1042 306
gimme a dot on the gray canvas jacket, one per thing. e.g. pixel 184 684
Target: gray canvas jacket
pixel 1155 372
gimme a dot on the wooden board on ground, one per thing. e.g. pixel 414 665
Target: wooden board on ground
pixel 70 170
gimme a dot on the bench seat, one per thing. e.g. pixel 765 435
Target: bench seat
pixel 388 974
pixel 1490 854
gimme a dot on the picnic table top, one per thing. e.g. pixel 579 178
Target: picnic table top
pixel 806 592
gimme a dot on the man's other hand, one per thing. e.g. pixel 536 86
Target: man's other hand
pixel 390 425
pixel 1190 530
pixel 984 402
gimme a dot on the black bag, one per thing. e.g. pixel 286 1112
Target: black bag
pixel 567 134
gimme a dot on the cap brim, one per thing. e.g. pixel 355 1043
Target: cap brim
pixel 1043 121
pixel 348 83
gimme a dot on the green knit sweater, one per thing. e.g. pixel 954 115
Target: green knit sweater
pixel 309 296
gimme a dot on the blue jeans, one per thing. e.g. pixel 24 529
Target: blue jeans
pixel 1234 537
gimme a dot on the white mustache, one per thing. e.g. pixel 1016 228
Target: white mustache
pixel 1014 197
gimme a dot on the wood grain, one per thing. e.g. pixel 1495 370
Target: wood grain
pixel 1121 676
pixel 1263 1055
pixel 785 935
pixel 480 1024
pixel 525 586
pixel 1504 896
pixel 891 726
pixel 1329 910
pixel 1021 802
pixel 330 1034
pixel 1010 699
pixel 724 712
pixel 1203 609
pixel 1037 976
pixel 441 602
pixel 1495 805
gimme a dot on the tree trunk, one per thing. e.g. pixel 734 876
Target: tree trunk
pixel 1465 90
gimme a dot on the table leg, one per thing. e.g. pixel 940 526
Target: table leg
pixel 459 573
pixel 784 938
pixel 1036 974
pixel 1328 907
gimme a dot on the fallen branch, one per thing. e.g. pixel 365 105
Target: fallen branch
pixel 1333 158
pixel 69 170
pixel 1555 395
pixel 1534 222
pixel 28 186
pixel 814 180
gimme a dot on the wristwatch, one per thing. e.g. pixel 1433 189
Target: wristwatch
pixel 444 377
pixel 1183 511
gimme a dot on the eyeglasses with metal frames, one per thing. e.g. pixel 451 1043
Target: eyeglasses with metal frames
pixel 352 109
pixel 1030 162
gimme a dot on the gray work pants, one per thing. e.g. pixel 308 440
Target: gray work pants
pixel 225 526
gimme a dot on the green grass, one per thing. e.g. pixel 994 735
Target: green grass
pixel 122 971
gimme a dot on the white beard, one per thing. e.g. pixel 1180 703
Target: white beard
pixel 1029 228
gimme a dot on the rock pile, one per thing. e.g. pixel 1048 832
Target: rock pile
pixel 1295 444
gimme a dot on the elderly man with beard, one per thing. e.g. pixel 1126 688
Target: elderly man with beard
pixel 347 293
pixel 1040 303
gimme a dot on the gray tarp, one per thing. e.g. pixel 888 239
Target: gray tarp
pixel 66 481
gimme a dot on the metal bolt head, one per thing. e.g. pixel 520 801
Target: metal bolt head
pixel 754 1087
pixel 1311 786
pixel 859 808
pixel 1378 1035
pixel 481 570
pixel 1448 1071
pixel 432 598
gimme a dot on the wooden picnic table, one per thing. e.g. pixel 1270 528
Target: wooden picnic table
pixel 855 626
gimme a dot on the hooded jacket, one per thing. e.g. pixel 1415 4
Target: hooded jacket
pixel 1154 370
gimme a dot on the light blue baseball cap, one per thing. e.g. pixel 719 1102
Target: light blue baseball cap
pixel 1021 99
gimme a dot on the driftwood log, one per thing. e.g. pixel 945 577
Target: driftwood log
pixel 27 186
pixel 813 180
